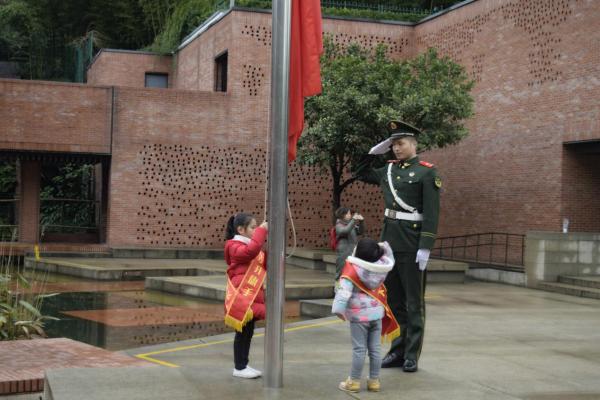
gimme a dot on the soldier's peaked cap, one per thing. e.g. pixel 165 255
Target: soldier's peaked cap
pixel 399 129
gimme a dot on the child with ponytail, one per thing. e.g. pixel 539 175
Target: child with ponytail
pixel 245 299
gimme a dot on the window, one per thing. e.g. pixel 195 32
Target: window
pixel 157 80
pixel 221 73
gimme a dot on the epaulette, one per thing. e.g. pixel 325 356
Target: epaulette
pixel 426 164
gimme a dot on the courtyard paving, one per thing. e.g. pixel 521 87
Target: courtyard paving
pixel 483 341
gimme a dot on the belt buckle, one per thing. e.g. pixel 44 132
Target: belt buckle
pixel 394 212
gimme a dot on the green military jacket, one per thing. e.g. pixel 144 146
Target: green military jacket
pixel 418 185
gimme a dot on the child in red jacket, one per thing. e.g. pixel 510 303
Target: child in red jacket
pixel 245 299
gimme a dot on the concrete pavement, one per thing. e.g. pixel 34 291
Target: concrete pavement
pixel 483 341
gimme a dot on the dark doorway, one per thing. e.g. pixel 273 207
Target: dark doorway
pixel 581 186
pixel 73 197
pixel 221 73
pixel 8 201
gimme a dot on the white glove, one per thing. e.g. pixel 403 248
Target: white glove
pixel 422 258
pixel 381 147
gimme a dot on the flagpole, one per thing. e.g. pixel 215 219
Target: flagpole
pixel 278 148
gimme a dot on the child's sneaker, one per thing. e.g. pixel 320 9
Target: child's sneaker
pixel 373 385
pixel 254 370
pixel 350 385
pixel 246 373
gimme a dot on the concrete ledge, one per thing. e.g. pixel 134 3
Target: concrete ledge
pixel 309 258
pixel 167 253
pixel 549 255
pixel 319 308
pixel 24 361
pixel 193 288
pixel 563 236
pixel 436 265
pixel 311 254
pixel 213 287
pixel 498 275
pixel 306 263
pixel 572 290
pixel 63 254
pixel 132 383
pixel 585 281
pixel 128 269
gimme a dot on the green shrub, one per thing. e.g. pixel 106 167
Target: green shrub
pixel 20 316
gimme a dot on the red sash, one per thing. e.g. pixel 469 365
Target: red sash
pixel 390 329
pixel 238 301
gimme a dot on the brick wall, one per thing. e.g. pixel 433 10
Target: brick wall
pixel 195 68
pixel 184 160
pixel 47 116
pixel 169 173
pixel 127 68
pixel 180 168
pixel 534 69
pixel 246 36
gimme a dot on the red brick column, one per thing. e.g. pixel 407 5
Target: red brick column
pixel 29 204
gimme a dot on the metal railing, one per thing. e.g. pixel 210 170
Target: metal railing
pixel 354 5
pixel 375 7
pixel 8 226
pixel 492 248
pixel 68 216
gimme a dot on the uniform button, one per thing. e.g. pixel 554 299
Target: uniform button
pixel 414 225
pixel 397 177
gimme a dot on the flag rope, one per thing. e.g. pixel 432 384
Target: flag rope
pixel 289 209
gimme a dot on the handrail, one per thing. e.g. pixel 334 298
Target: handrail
pixel 496 248
pixel 71 200
pixel 369 6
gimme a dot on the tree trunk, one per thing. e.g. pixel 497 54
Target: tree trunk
pixel 336 192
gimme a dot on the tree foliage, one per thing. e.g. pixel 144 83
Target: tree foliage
pixel 186 15
pixel 67 196
pixel 363 90
pixel 39 34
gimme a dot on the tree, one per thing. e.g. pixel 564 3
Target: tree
pixel 363 90
pixel 39 34
pixel 185 16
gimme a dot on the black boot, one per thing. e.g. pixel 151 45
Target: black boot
pixel 410 366
pixel 392 360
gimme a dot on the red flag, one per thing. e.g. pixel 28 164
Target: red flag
pixel 306 48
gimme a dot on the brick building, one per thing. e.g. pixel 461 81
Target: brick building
pixel 174 160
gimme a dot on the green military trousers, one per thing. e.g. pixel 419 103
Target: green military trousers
pixel 405 285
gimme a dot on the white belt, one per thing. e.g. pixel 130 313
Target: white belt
pixel 403 215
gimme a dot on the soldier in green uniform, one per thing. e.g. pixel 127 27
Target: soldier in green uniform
pixel 411 195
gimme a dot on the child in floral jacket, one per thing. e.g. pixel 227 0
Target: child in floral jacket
pixel 362 277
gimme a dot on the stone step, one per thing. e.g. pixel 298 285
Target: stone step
pixel 318 308
pixel 498 275
pixel 71 254
pixel 439 271
pixel 126 268
pixel 307 258
pixel 572 290
pixel 586 281
pixel 167 253
pixel 213 287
